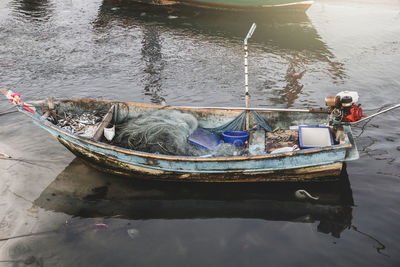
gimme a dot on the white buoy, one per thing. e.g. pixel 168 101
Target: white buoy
pixel 303 194
pixel 109 133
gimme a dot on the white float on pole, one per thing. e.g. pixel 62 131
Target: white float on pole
pixel 246 73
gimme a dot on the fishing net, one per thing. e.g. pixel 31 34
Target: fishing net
pixel 162 131
pixel 228 150
pixel 167 132
pixel 239 124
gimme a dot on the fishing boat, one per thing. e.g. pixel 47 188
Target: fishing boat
pixel 321 163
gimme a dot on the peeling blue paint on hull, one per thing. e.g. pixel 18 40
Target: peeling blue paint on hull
pixel 319 166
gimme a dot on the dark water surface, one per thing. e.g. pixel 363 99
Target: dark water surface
pixel 124 51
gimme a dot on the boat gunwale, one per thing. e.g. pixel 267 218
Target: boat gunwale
pixel 347 144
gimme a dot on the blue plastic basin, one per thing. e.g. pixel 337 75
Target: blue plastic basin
pixel 238 138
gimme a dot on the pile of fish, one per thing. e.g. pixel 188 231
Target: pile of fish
pixel 75 123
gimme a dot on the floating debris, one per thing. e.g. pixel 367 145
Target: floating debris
pixel 133 233
pixel 99 227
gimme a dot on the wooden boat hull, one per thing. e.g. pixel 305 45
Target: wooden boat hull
pixel 151 171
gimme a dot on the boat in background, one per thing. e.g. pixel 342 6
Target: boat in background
pixel 218 26
pixel 219 23
pixel 273 5
pixel 251 4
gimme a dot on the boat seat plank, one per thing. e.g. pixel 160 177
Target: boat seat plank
pixel 104 123
pixel 50 105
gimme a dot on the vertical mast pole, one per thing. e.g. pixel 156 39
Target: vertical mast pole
pixel 246 72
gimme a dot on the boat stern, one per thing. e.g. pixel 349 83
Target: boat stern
pixel 352 152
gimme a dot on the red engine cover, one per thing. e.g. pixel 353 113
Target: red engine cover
pixel 355 114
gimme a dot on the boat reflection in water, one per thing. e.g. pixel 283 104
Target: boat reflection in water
pixel 83 192
pixel 35 10
pixel 284 30
pixel 288 36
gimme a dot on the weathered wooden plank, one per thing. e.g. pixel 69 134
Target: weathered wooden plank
pixel 106 120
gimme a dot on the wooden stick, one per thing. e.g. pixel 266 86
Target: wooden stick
pixel 319 110
pixel 48 110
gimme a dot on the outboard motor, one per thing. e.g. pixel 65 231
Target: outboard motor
pixel 344 108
